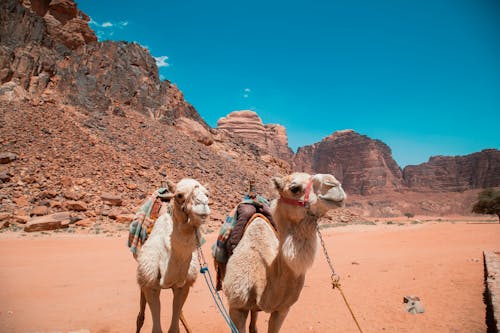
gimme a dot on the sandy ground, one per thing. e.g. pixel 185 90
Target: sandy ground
pixel 64 283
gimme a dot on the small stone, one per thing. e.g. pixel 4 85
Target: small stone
pixel 4 224
pixel 5 177
pixel 22 219
pixel 7 158
pixel 4 216
pixel 39 211
pixel 72 195
pixel 132 186
pixel 85 222
pixel 112 200
pixel 125 218
pixel 78 206
pixel 21 201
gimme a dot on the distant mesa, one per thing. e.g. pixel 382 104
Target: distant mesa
pixel 365 166
pixel 247 125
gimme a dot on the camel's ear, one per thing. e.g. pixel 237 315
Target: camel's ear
pixel 279 183
pixel 170 186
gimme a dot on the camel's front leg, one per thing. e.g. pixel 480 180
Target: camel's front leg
pixel 253 322
pixel 276 320
pixel 180 295
pixel 239 318
pixel 153 298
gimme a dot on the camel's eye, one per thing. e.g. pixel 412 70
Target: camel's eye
pixel 295 189
pixel 179 196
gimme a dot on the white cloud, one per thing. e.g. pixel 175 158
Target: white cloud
pixel 247 90
pixel 161 61
pixel 106 29
pixel 245 96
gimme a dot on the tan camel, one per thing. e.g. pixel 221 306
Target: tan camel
pixel 266 271
pixel 168 260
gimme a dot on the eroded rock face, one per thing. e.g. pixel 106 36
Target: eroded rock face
pixel 455 173
pixel 247 124
pixel 363 165
pixel 48 54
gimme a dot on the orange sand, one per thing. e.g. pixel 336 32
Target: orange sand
pixel 62 283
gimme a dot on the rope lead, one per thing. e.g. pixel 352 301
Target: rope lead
pixel 336 278
pixel 211 287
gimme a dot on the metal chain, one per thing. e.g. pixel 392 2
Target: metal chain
pixel 335 277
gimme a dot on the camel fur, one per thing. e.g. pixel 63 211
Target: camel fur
pixel 265 272
pixel 168 260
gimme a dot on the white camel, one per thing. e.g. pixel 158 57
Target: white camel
pixel 168 257
pixel 267 269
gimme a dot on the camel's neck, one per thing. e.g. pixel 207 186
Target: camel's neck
pixel 183 238
pixel 298 240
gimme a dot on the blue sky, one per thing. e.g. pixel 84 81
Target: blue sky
pixel 422 76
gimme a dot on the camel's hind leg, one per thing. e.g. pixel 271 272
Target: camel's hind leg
pixel 239 318
pixel 180 295
pixel 276 320
pixel 140 316
pixel 153 299
pixel 253 322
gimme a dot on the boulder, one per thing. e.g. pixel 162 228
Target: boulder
pixel 78 206
pixel 39 211
pixel 48 222
pixel 125 218
pixel 112 199
pixel 7 158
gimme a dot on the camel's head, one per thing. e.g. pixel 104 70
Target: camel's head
pixel 313 195
pixel 192 198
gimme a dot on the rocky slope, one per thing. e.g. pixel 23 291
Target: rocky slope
pixel 246 124
pixel 60 159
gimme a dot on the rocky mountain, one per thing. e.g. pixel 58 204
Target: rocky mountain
pixel 364 166
pixel 48 53
pixel 455 173
pixel 246 124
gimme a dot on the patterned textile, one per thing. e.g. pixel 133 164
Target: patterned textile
pixel 144 220
pixel 219 249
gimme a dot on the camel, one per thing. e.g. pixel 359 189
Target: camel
pixel 267 269
pixel 168 260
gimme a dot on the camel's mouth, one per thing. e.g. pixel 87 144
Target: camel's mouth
pixel 334 197
pixel 332 201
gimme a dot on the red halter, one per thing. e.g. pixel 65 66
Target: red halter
pixel 300 203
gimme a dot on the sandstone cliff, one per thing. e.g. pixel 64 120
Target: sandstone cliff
pixel 48 54
pixel 455 173
pixel 246 124
pixel 364 166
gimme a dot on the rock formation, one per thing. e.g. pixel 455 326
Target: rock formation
pixel 455 173
pixel 271 138
pixel 363 166
pixel 48 54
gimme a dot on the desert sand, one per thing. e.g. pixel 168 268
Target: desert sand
pixel 69 282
